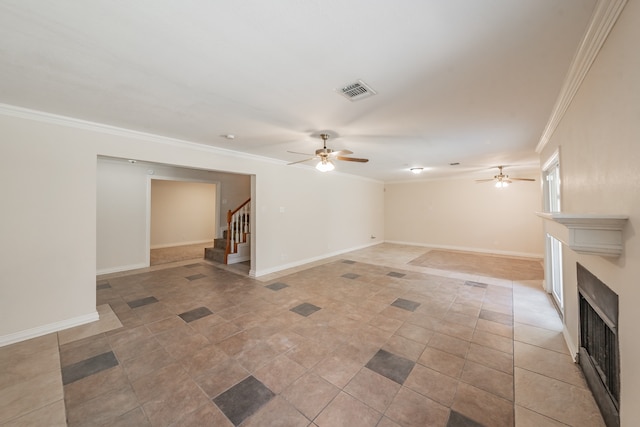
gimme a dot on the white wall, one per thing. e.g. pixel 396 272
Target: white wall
pixel 50 223
pixel 182 213
pixel 599 140
pixel 462 214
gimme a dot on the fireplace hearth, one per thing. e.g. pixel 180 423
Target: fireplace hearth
pixel 599 353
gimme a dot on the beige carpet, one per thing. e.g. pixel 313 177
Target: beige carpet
pixel 481 264
pixel 178 253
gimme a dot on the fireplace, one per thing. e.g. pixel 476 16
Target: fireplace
pixel 599 353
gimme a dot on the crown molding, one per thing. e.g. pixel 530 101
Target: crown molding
pixel 44 117
pixel 604 17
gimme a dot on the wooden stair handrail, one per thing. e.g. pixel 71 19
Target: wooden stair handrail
pixel 230 214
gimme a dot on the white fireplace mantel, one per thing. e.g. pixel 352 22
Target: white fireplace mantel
pixel 592 234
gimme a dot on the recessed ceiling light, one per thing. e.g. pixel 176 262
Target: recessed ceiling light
pixel 229 136
pixel 132 161
pixel 416 170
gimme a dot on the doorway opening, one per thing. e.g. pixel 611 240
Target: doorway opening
pixel 182 219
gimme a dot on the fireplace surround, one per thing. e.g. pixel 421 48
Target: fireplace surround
pixel 599 355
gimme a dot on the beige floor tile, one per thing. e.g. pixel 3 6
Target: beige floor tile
pixel 556 399
pixel 432 384
pixel 19 350
pixel 386 422
pixel 104 407
pixel 346 410
pixel 27 396
pixel 492 358
pixel 415 333
pixel 495 328
pixel 337 370
pixel 527 418
pixel 496 342
pixel 404 347
pixel 89 387
pixel 166 409
pixel 545 338
pixel 52 415
pixel 549 363
pixel 443 362
pixel 206 415
pixel 372 389
pixel 18 368
pixel 449 344
pixel 483 407
pixel 411 409
pixel 488 379
pixel 310 394
pixel 108 321
pixel 279 373
pixel 277 413
pixel 221 377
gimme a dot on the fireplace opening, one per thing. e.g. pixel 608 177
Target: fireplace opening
pixel 599 355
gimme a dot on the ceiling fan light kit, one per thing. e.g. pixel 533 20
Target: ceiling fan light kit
pixel 325 165
pixel 327 155
pixel 502 180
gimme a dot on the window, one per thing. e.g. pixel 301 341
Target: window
pixel 553 255
pixel 551 183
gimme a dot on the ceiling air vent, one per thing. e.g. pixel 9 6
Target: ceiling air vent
pixel 356 91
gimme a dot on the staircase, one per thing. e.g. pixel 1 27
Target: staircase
pixel 235 244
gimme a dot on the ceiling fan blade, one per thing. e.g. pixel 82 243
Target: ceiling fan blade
pixel 301 161
pixel 296 152
pixel 352 159
pixel 340 153
pixel 522 179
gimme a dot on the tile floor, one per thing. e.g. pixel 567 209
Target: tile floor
pixel 365 339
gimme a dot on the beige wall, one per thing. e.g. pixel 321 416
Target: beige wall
pixel 461 214
pixel 599 140
pixel 50 218
pixel 182 213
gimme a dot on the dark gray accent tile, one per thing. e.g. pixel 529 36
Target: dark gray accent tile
pixel 475 284
pixel 192 265
pixel 396 368
pixel 395 274
pixel 350 275
pixel 305 309
pixel 456 419
pixel 195 314
pixel 90 366
pixel 104 285
pixel 277 286
pixel 405 304
pixel 195 277
pixel 243 399
pixel 142 301
pixel 494 316
pixel 348 261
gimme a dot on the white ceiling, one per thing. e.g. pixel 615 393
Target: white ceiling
pixel 469 81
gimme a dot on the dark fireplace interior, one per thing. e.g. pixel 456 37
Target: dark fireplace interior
pixel 599 354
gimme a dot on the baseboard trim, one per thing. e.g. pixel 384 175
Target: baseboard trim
pixel 573 350
pixel 476 250
pixel 121 268
pixel 258 273
pixel 47 329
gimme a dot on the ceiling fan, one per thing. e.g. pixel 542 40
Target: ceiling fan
pixel 327 155
pixel 503 180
